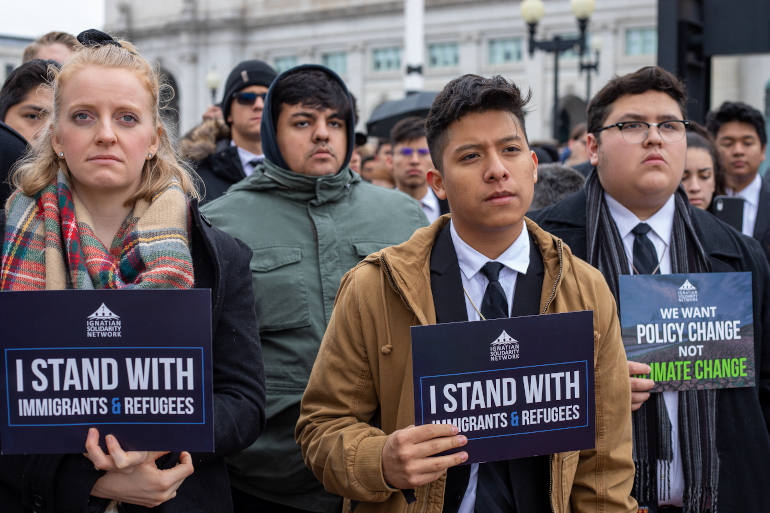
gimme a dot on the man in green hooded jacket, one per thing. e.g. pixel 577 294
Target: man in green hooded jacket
pixel 308 219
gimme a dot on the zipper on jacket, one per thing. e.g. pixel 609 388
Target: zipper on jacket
pixel 558 277
pixel 386 269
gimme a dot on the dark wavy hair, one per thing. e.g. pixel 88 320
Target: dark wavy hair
pixel 408 129
pixel 737 111
pixel 649 78
pixel 21 81
pixel 466 95
pixel 311 88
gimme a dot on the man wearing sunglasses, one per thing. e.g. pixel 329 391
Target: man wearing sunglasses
pixel 411 162
pixel 236 156
pixel 690 450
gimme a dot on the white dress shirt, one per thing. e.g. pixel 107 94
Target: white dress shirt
pixel 430 206
pixel 661 224
pixel 750 195
pixel 515 260
pixel 247 158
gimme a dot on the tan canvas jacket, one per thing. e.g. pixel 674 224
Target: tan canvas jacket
pixel 360 389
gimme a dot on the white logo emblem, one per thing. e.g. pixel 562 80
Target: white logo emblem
pixel 687 293
pixel 504 347
pixel 103 323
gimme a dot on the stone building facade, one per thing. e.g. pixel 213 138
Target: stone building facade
pixel 363 41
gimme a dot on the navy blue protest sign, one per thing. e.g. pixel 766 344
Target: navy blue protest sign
pixel 695 331
pixel 133 363
pixel 515 387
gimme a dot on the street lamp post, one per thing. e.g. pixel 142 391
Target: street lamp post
pixel 212 83
pixel 532 11
pixel 591 66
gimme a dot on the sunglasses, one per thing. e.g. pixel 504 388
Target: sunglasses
pixel 248 98
pixel 408 152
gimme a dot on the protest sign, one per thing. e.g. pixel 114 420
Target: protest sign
pixel 515 387
pixel 695 331
pixel 133 363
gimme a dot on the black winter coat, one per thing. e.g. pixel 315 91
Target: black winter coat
pixel 743 414
pixel 762 224
pixel 61 483
pixel 220 170
pixel 12 148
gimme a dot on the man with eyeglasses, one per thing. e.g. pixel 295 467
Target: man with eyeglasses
pixel 411 162
pixel 739 131
pixel 235 157
pixel 693 450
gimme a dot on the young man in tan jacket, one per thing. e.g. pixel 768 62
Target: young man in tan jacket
pixel 356 424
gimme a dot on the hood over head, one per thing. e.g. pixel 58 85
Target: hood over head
pixel 270 118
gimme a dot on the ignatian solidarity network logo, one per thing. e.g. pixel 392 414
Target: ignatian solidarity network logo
pixel 687 293
pixel 103 323
pixel 504 347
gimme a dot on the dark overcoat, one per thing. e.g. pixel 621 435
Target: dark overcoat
pixel 743 414
pixel 220 170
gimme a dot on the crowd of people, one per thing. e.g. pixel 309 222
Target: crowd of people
pixel 321 253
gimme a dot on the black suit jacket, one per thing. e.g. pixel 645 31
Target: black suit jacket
pixel 742 430
pixel 762 224
pixel 529 477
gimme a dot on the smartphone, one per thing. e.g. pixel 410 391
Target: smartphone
pixel 730 210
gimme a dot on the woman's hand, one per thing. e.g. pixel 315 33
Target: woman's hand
pixel 117 459
pixel 146 485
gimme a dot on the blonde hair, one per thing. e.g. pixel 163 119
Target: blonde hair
pixel 51 38
pixel 39 167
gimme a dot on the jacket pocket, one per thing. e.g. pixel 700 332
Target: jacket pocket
pixel 365 248
pixel 279 285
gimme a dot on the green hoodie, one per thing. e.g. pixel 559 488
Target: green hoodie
pixel 305 233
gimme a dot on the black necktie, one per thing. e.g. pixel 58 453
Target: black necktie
pixel 494 305
pixel 645 256
pixel 493 491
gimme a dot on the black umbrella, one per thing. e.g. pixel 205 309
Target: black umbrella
pixel 391 112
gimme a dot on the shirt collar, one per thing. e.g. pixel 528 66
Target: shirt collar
pixel 661 221
pixel 516 257
pixel 750 193
pixel 430 200
pixel 245 156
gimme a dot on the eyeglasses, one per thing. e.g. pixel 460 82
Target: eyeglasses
pixel 408 152
pixel 248 98
pixel 635 132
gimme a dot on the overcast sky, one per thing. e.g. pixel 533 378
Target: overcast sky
pixel 31 18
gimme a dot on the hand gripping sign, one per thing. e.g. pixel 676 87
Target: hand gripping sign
pixel 515 387
pixel 134 363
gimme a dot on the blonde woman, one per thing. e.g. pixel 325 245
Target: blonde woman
pixel 99 184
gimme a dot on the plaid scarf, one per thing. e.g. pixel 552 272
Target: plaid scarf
pixel 697 408
pixel 49 243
